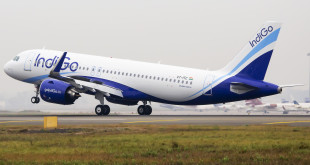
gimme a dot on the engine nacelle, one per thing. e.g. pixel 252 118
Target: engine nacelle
pixel 59 92
pixel 121 101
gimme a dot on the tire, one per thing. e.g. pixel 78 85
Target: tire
pixel 34 100
pixel 99 110
pixel 106 110
pixel 141 110
pixel 148 110
pixel 37 100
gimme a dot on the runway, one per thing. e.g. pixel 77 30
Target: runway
pixel 228 120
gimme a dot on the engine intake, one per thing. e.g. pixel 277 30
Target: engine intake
pixel 59 92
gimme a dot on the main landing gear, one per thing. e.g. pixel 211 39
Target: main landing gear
pixel 102 110
pixel 36 99
pixel 144 109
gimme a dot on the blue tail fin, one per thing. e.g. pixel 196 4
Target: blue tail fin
pixel 253 60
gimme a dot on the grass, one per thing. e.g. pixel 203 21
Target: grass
pixel 155 144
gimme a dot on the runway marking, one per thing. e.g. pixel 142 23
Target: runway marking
pixel 151 121
pixel 20 121
pixel 289 122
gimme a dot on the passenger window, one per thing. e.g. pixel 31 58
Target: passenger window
pixel 130 74
pixel 102 70
pixel 138 75
pixel 154 78
pixel 162 79
pixel 126 74
pixel 145 76
pixel 166 79
pixel 150 77
pixel 142 76
pixel 123 73
pixel 191 83
pixel 178 81
pixel 119 73
pixel 186 82
pixel 157 78
pixel 134 75
pixel 111 71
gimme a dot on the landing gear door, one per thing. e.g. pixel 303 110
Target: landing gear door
pixel 29 61
pixel 208 86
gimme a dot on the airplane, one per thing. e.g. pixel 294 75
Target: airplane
pixel 189 107
pixel 257 105
pixel 296 107
pixel 61 77
pixel 301 105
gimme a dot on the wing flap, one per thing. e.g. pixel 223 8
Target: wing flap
pixel 101 87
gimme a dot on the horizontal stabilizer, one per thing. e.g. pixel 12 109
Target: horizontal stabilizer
pixel 291 85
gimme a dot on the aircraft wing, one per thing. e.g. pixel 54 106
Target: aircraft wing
pixel 83 84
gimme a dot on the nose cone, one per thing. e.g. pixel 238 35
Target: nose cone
pixel 6 68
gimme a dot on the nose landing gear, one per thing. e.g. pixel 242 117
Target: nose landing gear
pixel 36 99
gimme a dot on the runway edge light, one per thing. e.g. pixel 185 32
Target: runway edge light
pixel 50 122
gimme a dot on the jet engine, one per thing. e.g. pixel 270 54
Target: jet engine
pixel 59 92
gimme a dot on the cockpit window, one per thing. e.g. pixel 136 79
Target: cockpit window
pixel 16 58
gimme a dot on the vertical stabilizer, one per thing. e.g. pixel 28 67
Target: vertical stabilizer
pixel 253 60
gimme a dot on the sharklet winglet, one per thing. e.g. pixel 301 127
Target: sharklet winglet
pixel 56 69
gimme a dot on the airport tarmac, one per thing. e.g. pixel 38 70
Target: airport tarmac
pixel 294 120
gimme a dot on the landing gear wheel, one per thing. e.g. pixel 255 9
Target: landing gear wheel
pixel 141 110
pixel 38 100
pixel 148 110
pixel 106 110
pixel 99 110
pixel 102 110
pixel 35 100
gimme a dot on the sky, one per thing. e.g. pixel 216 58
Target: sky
pixel 204 34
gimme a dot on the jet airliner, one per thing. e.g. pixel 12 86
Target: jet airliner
pixel 61 77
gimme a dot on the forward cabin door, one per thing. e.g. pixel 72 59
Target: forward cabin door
pixel 29 61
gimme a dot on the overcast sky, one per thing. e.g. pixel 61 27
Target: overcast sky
pixel 199 34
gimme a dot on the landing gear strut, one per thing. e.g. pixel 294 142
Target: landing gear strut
pixel 102 110
pixel 144 109
pixel 36 99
